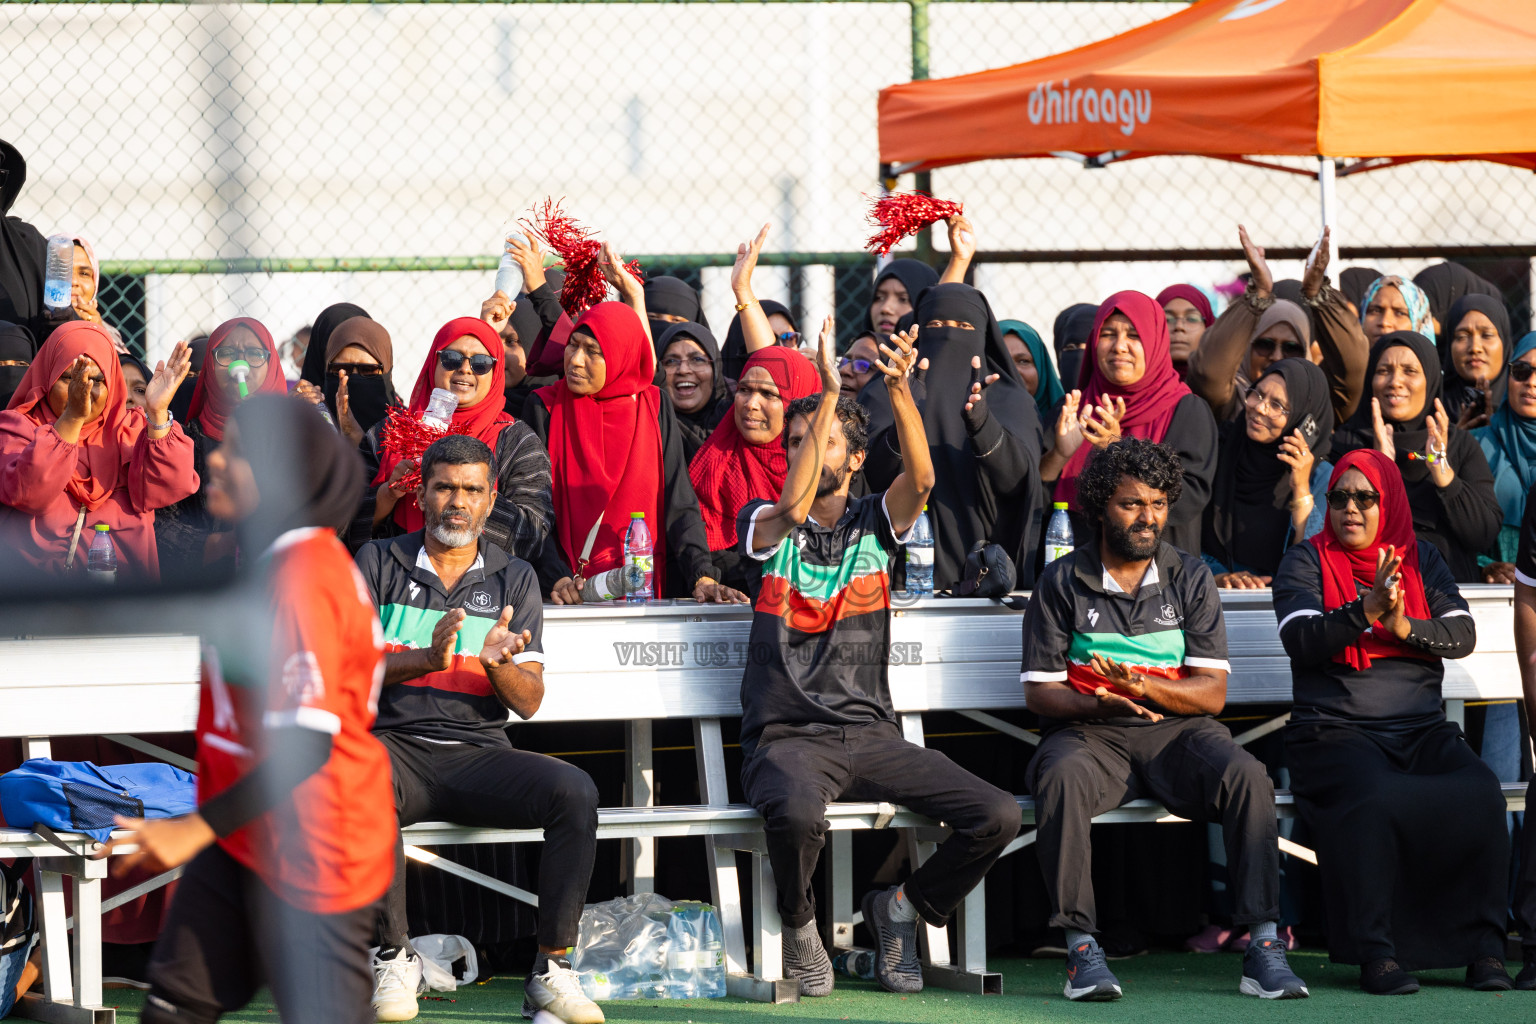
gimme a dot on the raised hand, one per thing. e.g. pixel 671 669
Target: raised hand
pixel 1316 271
pixel 1297 454
pixel 1069 427
pixel 85 401
pixel 616 274
pixel 1263 280
pixel 392 490
pixel 1384 440
pixel 1438 427
pixel 1101 423
pixel 962 237
pixel 309 392
pixel 350 428
pixel 1120 674
pixel 528 255
pixel 826 356
pixel 976 400
pixel 501 644
pixel 169 373
pixel 1384 589
pixel 746 262
pixel 1394 620
pixel 497 310
pixel 900 358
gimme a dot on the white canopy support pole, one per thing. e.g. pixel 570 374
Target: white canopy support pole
pixel 1327 187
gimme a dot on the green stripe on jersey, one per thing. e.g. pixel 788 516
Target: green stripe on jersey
pixel 822 582
pixel 412 627
pixel 1163 649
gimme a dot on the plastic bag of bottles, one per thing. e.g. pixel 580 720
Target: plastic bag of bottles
pixel 647 947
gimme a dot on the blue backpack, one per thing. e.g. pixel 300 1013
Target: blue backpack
pixel 77 796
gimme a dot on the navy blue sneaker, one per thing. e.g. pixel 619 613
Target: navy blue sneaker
pixel 1088 975
pixel 1268 975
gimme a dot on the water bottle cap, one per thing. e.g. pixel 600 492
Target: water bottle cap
pixel 102 527
pixel 1059 505
pixel 925 508
pixel 637 515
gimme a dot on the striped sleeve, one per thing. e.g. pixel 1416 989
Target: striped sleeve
pixel 523 514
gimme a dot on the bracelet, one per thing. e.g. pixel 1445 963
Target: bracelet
pixel 1296 503
pixel 170 417
pixel 743 305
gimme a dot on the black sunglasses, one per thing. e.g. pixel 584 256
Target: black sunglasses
pixel 1339 500
pixel 1521 372
pixel 1288 349
pixel 451 360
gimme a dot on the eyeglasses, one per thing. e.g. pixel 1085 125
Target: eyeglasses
pixel 226 354
pixel 1521 372
pixel 693 362
pixel 1267 406
pixel 858 365
pixel 1339 500
pixel 451 360
pixel 1288 349
pixel 355 369
pixel 1190 319
pixel 789 339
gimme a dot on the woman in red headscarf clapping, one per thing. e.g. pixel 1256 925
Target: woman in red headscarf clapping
pixel 1409 823
pixel 615 450
pixel 468 359
pixel 1130 388
pixel 74 456
pixel 744 457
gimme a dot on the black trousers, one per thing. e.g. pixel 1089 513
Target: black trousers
pixel 498 787
pixel 1191 766
pixel 1411 842
pixel 227 934
pixel 797 770
pixel 1525 884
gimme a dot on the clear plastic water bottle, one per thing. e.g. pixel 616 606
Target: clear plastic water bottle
pixel 101 559
pixel 509 272
pixel 710 959
pixel 60 273
pixel 920 557
pixel 855 963
pixel 440 409
pixel 639 560
pixel 682 951
pixel 1058 535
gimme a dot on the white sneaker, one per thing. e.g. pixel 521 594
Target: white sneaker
pixel 396 984
pixel 558 991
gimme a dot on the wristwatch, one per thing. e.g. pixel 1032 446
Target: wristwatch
pixel 170 417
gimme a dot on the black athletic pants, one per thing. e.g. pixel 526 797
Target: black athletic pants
pixel 1191 766
pixel 227 934
pixel 797 770
pixel 1525 884
pixel 498 787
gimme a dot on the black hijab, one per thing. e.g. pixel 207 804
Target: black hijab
pixel 1409 437
pixel 1072 327
pixel 23 251
pixel 734 352
pixel 181 401
pixel 1460 392
pixel 1248 518
pixel 330 318
pixel 1443 284
pixel 696 427
pixel 674 297
pixel 525 323
pixel 966 505
pixel 16 342
pixel 915 276
pixel 1354 281
pixel 306 473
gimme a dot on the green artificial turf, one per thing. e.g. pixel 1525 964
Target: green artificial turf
pixel 1163 988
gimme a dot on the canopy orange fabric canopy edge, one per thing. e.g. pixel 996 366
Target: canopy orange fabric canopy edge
pixel 1405 79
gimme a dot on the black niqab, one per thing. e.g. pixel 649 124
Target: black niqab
pixel 672 296
pixel 1072 327
pixel 23 252
pixel 330 318
pixel 734 353
pixel 1460 392
pixel 696 427
pixel 1248 518
pixel 16 342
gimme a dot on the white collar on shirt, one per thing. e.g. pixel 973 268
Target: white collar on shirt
pixel 1150 576
pixel 423 561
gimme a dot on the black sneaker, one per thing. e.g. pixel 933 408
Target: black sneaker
pixel 896 965
pixel 1088 975
pixel 1386 978
pixel 1488 975
pixel 1268 975
pixel 1525 981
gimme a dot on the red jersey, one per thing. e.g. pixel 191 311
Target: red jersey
pixel 331 848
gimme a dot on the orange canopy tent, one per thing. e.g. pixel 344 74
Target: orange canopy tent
pixel 1382 81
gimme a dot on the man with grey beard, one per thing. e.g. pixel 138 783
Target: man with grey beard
pixel 462 626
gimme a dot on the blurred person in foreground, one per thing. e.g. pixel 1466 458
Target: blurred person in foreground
pixel 74 455
pixel 1525 649
pixel 463 627
pixel 1125 662
pixel 292 842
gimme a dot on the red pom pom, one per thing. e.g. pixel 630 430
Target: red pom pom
pixel 903 214
pixel 579 252
pixel 408 438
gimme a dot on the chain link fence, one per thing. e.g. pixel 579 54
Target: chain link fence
pixel 268 159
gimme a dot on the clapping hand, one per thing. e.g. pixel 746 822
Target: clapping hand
pixel 1384 440
pixel 169 373
pixel 501 644
pixel 1120 674
pixel 1384 589
pixel 976 401
pixel 900 358
pixel 1438 426
pixel 1101 423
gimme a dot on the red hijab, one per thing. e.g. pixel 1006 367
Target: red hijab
pixel 106 443
pixel 605 449
pixel 211 404
pixel 484 420
pixel 1190 294
pixel 1343 568
pixel 729 470
pixel 1149 402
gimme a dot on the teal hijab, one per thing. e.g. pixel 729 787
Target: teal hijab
pixel 1050 392
pixel 1509 442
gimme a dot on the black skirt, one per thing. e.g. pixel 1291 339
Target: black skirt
pixel 1411 842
